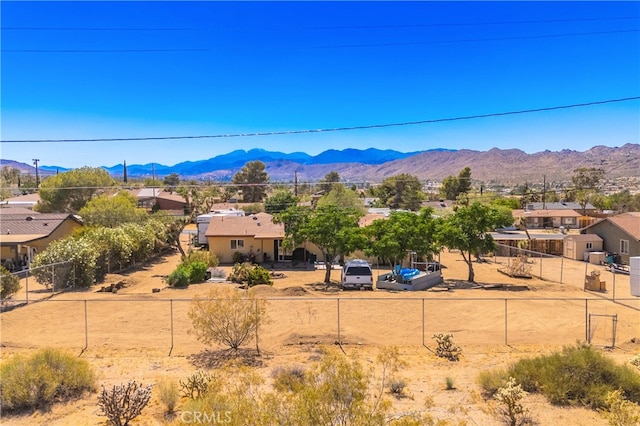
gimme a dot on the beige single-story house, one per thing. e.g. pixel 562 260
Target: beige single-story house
pixel 546 219
pixel 256 237
pixel 23 235
pixel 620 234
pixel 577 246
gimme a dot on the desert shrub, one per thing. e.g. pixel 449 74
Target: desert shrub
pixel 250 274
pixel 635 361
pixel 168 393
pixel 397 386
pixel 491 380
pixel 446 348
pixel 620 412
pixel 206 256
pixel 180 277
pixel 511 410
pixel 448 383
pixel 218 273
pixel 43 378
pixel 258 275
pixel 82 256
pixel 124 403
pixel 228 317
pixel 576 375
pixel 290 378
pixel 238 257
pixel 196 385
pixel 240 272
pixel 197 272
pixel 9 283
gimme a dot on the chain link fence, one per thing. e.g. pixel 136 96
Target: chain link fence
pixel 164 324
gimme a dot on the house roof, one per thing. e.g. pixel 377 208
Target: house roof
pixel 518 235
pixel 173 196
pixel 628 222
pixel 16 228
pixel 258 226
pixel 561 205
pixel 583 237
pixel 16 210
pixel 545 213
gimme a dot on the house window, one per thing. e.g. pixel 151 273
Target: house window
pixel 237 244
pixel 569 220
pixel 624 246
pixel 589 246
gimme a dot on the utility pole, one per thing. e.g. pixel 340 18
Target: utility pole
pixel 544 192
pixel 35 162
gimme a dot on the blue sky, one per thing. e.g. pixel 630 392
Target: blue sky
pixel 94 70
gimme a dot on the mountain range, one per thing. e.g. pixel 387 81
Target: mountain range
pixel 495 166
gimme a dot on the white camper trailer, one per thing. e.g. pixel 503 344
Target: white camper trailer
pixel 202 222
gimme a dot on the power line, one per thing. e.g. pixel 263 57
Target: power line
pixel 333 129
pixel 337 46
pixel 335 27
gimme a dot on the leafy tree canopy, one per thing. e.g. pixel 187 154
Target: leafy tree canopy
pixel 403 191
pixel 391 239
pixel 467 230
pixel 252 179
pixel 340 196
pixel 111 211
pixel 71 190
pixel 279 201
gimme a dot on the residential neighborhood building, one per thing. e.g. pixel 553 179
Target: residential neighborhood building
pixel 27 201
pixel 620 234
pixel 578 246
pixel 22 234
pixel 548 219
pixel 563 205
pixel 256 237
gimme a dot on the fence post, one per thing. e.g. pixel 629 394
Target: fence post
pixel 614 286
pixel 53 281
pixel 540 265
pixel 586 319
pixel 506 322
pixel 27 286
pixel 423 322
pixel 561 268
pixel 171 327
pixel 86 326
pixel 339 338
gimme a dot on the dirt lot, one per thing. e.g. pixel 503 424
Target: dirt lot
pixel 138 334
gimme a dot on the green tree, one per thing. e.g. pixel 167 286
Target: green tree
pixel 467 230
pixel 279 201
pixel 332 229
pixel 11 175
pixel 82 255
pixel 403 191
pixel 340 196
pixel 586 183
pixel 453 186
pixel 172 180
pixel 252 179
pixel 111 211
pixel 391 239
pixel 71 190
pixel 327 183
pixel 228 317
pixel 9 283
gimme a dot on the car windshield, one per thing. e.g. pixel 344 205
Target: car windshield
pixel 358 270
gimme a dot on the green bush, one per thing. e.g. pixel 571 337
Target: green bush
pixel 290 378
pixel 258 275
pixel 180 277
pixel 209 258
pixel 576 375
pixel 168 393
pixel 238 257
pixel 9 283
pixel 197 272
pixel 46 376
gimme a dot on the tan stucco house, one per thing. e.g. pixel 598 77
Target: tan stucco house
pixel 23 235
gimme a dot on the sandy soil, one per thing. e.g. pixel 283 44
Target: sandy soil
pixel 138 334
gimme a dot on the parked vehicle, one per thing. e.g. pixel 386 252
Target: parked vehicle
pixel 357 274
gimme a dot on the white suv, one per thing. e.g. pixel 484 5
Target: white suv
pixel 357 273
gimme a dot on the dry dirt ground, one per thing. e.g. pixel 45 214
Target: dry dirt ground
pixel 138 334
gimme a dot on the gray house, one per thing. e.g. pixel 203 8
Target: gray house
pixel 620 234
